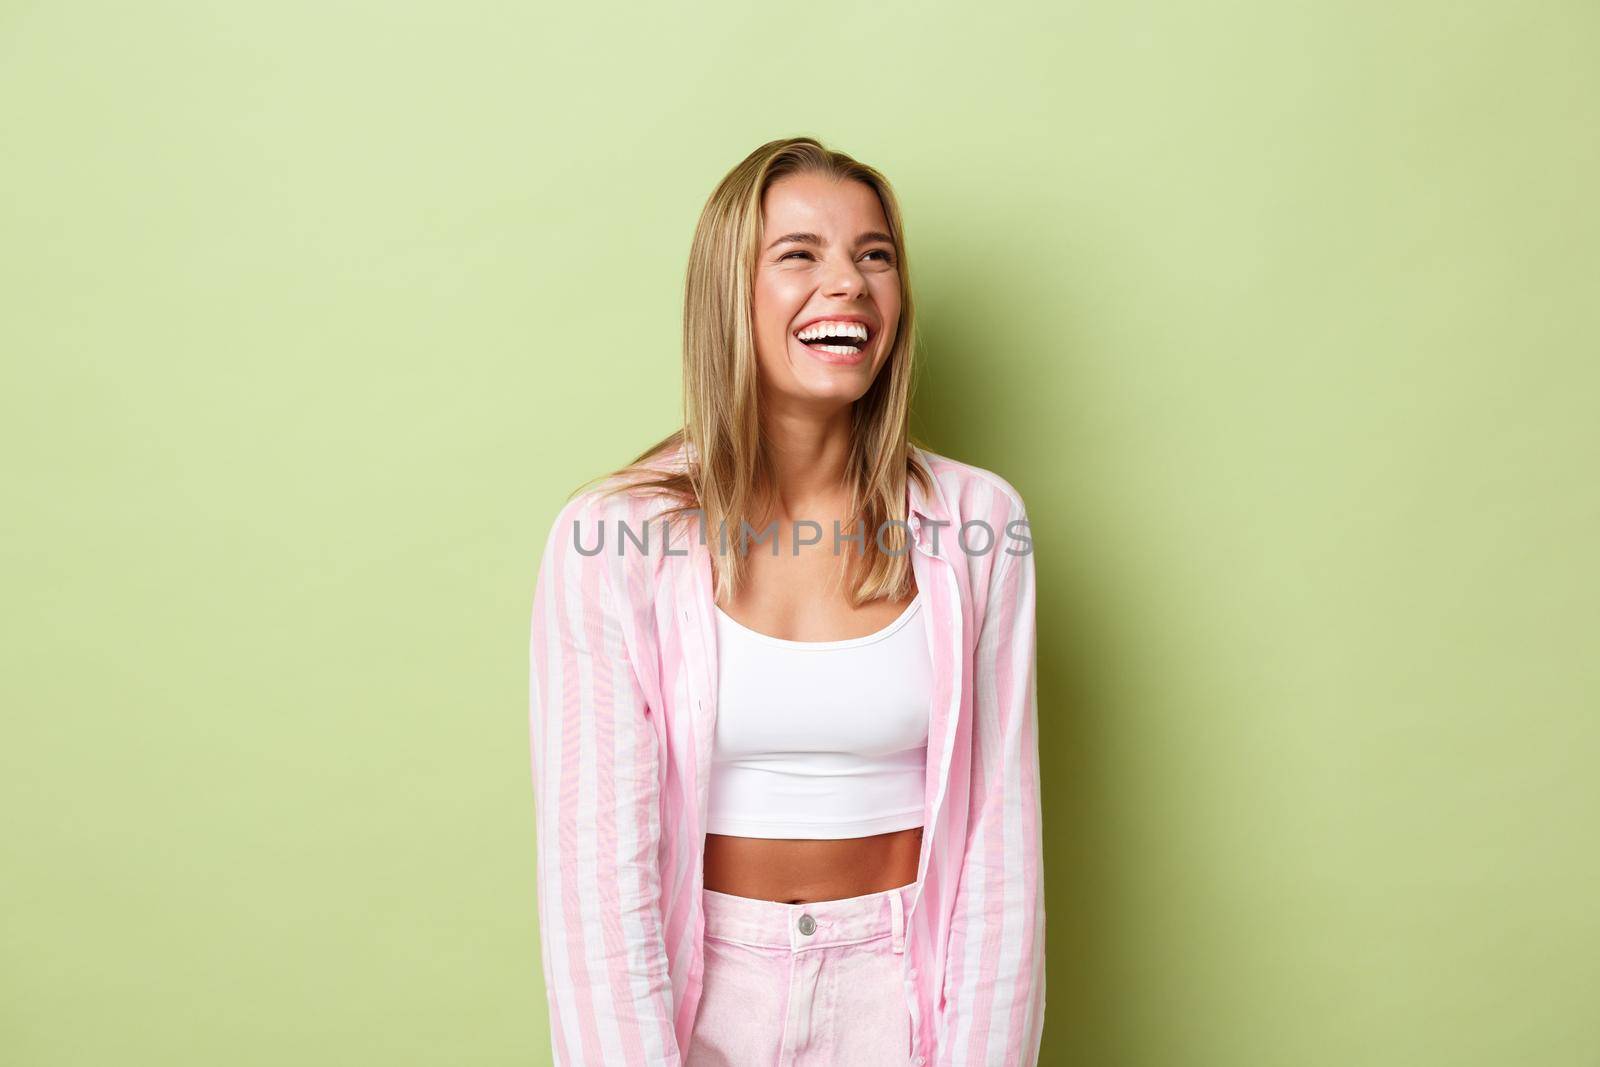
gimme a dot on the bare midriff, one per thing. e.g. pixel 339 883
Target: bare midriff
pixel 796 599
pixel 806 870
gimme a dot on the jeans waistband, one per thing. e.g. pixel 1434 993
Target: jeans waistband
pixel 819 924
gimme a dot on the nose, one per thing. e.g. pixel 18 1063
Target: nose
pixel 844 280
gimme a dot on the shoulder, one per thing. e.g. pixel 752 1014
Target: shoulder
pixel 988 517
pixel 602 512
pixel 968 490
pixel 622 496
pixel 613 498
pixel 609 537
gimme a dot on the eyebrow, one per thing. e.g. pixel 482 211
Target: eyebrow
pixel 813 239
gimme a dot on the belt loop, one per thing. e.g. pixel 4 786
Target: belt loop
pixel 897 920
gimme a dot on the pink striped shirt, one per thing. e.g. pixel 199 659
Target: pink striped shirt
pixel 623 706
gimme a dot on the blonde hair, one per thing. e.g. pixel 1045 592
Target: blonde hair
pixel 720 459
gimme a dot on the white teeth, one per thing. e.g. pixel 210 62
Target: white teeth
pixel 838 350
pixel 825 328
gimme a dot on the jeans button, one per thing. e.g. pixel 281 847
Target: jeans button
pixel 808 925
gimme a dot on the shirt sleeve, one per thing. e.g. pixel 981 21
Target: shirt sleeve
pixel 596 762
pixel 994 984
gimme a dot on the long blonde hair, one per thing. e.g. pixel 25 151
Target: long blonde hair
pixel 719 461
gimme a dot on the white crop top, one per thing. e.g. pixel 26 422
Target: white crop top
pixel 820 739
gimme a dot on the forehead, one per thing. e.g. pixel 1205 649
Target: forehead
pixel 816 202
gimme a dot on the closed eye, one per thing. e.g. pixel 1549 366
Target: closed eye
pixel 887 257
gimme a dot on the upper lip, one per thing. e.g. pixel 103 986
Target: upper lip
pixel 871 326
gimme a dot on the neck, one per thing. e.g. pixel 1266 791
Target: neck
pixel 810 450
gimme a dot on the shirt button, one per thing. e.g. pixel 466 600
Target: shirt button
pixel 912 973
pixel 808 925
pixel 920 1060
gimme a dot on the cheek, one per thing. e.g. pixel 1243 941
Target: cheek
pixel 887 297
pixel 777 300
pixel 886 291
pixel 774 307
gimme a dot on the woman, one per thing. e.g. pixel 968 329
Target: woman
pixel 783 703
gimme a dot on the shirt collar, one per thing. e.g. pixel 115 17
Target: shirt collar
pixel 921 506
pixel 917 501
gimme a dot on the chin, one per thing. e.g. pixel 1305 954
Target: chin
pixel 840 388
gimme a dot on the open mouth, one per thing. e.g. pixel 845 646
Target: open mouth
pixel 835 338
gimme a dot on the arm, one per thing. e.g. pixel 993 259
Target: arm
pixel 994 982
pixel 595 760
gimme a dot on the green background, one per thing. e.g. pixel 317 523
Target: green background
pixel 1281 316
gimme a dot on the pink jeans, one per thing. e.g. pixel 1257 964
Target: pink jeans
pixel 804 985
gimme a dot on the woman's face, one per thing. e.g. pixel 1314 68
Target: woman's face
pixel 825 258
